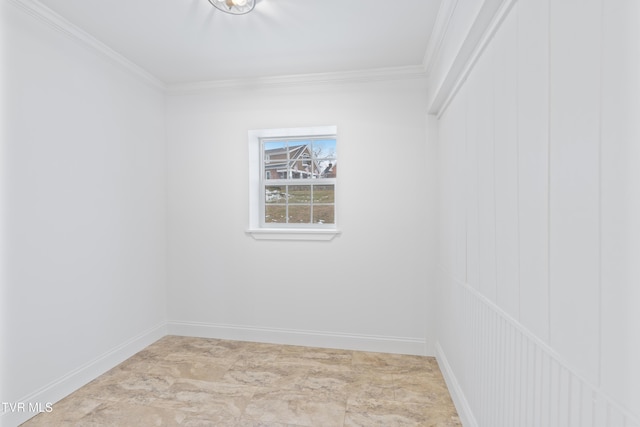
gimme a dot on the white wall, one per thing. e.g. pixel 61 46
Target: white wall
pixel 540 232
pixel 83 212
pixel 366 289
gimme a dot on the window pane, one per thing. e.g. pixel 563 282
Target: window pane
pixel 299 214
pixel 323 194
pixel 275 150
pixel 327 168
pixel 275 172
pixel 323 214
pixel 275 160
pixel 300 162
pixel 299 194
pixel 324 154
pixel 324 148
pixel 275 214
pixel 275 194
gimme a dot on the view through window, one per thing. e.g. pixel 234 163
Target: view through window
pixel 298 181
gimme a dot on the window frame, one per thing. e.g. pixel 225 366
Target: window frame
pixel 260 230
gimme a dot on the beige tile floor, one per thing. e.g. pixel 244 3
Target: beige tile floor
pixel 196 382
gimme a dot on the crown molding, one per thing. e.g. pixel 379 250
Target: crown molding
pixel 359 76
pixel 57 22
pixel 479 35
pixel 39 11
pixel 440 28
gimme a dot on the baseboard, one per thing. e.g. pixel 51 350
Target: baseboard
pixel 457 395
pixel 382 344
pixel 62 387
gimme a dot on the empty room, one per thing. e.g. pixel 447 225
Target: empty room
pixel 320 213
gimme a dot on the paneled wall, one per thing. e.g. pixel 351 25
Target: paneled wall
pixel 539 219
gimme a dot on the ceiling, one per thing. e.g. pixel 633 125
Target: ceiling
pixel 188 41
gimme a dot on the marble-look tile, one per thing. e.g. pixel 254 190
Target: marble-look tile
pixel 253 423
pixel 266 375
pixel 175 348
pixel 369 413
pixel 421 388
pixel 316 362
pixel 327 356
pixel 208 398
pixel 66 412
pixel 393 363
pixel 337 383
pixel 196 367
pixel 195 382
pixel 254 360
pixel 122 414
pixel 259 347
pixel 370 384
pixel 132 387
pixel 301 408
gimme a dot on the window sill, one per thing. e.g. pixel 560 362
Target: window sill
pixel 292 234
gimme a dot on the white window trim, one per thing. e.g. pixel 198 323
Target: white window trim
pixel 264 233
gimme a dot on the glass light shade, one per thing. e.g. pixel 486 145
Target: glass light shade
pixel 234 7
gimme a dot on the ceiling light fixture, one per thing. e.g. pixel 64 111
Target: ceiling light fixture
pixel 234 7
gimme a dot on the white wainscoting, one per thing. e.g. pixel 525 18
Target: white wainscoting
pixel 515 379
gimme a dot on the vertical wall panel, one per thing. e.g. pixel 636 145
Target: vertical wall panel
pixel 445 228
pixel 574 182
pixel 518 373
pixel 458 148
pixel 621 202
pixel 600 413
pixel 529 355
pixel 564 393
pixel 533 167
pixel 575 402
pixel 586 406
pixel 472 118
pixel 554 395
pixel 450 314
pixel 476 339
pixel 616 419
pixel 502 371
pixel 545 403
pixel 482 101
pixel 506 165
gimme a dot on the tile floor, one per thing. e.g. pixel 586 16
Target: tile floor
pixel 196 382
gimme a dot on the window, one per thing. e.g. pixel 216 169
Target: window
pixel 299 181
pixel 293 175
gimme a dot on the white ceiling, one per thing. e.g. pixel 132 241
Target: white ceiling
pixel 186 41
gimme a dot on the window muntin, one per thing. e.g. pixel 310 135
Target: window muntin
pixel 298 180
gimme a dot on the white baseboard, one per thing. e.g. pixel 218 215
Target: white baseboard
pixel 382 344
pixel 62 387
pixel 457 395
